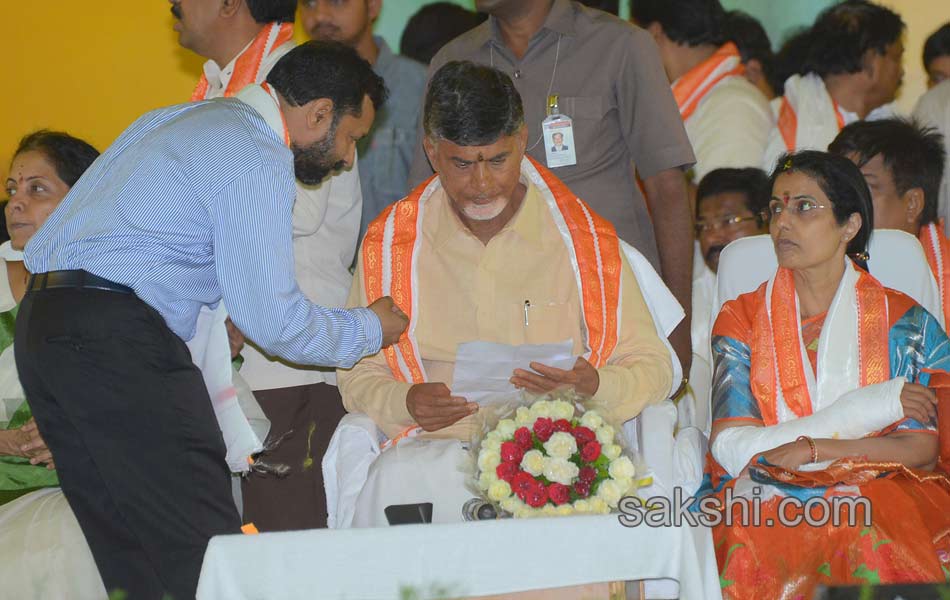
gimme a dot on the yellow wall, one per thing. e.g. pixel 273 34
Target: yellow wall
pixel 922 18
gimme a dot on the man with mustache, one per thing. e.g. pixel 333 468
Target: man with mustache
pixel 490 249
pixel 730 204
pixel 853 67
pixel 242 40
pixel 386 153
pixel 608 78
pixel 192 205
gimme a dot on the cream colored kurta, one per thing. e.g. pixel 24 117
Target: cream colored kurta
pixel 471 291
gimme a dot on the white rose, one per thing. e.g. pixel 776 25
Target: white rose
pixel 582 506
pixel 561 445
pixel 611 451
pixel 565 510
pixel 621 468
pixel 511 504
pixel 626 485
pixel 592 420
pixel 506 428
pixel 523 416
pixel 598 506
pixel 524 512
pixel 491 444
pixel 563 410
pixel 549 510
pixel 605 435
pixel 499 490
pixel 609 492
pixel 560 470
pixel 486 479
pixel 541 408
pixel 488 459
pixel 533 462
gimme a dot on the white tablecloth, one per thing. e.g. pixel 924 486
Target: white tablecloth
pixel 468 559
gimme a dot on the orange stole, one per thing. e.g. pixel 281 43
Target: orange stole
pixel 788 123
pixel 878 309
pixel 693 86
pixel 248 65
pixel 937 249
pixel 596 247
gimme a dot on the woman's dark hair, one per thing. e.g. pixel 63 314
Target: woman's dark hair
pixel 269 11
pixel 327 70
pixel 69 156
pixel 471 105
pixel 912 153
pixel 690 22
pixel 843 33
pixel 845 187
pixel 434 26
pixel 937 45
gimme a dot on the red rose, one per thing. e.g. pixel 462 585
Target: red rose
pixel 522 483
pixel 582 489
pixel 583 435
pixel 587 475
pixel 589 453
pixel 511 452
pixel 544 428
pixel 506 471
pixel 537 496
pixel 559 493
pixel 562 425
pixel 524 439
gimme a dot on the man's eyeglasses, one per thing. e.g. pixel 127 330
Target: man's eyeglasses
pixel 799 206
pixel 724 223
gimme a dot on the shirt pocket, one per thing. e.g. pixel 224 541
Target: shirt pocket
pixel 546 323
pixel 588 116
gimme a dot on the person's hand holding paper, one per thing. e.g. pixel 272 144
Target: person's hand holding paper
pixel 486 372
pixel 583 378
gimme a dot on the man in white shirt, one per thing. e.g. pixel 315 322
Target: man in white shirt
pixel 852 71
pixel 727 118
pixel 248 37
pixel 933 109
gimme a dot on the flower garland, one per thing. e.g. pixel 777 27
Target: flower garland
pixel 547 460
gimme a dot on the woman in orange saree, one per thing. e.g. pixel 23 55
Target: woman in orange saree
pixel 823 392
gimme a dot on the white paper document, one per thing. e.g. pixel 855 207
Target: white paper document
pixel 482 369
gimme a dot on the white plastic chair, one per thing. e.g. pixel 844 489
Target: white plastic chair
pixel 896 259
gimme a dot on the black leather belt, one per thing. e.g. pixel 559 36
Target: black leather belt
pixel 74 279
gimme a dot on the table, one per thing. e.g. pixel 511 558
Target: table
pixel 466 559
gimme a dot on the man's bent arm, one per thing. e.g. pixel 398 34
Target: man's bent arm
pixel 254 260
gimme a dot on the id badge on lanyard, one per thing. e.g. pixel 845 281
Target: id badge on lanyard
pixel 558 133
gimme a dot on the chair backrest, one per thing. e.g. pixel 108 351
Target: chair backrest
pixel 897 260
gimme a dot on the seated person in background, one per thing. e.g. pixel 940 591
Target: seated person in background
pixel 44 168
pixel 478 252
pixel 727 119
pixel 730 204
pixel 933 110
pixel 755 48
pixel 850 70
pixel 823 366
pixel 937 56
pixel 433 26
pixel 902 163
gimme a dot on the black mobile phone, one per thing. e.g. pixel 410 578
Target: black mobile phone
pixel 405 514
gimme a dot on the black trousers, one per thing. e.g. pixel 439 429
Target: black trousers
pixel 297 501
pixel 137 447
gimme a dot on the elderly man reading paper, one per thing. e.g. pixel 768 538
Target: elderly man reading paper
pixel 493 248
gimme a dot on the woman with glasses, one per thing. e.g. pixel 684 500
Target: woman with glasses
pixel 824 412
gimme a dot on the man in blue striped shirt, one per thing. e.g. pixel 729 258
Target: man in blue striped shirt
pixel 191 205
